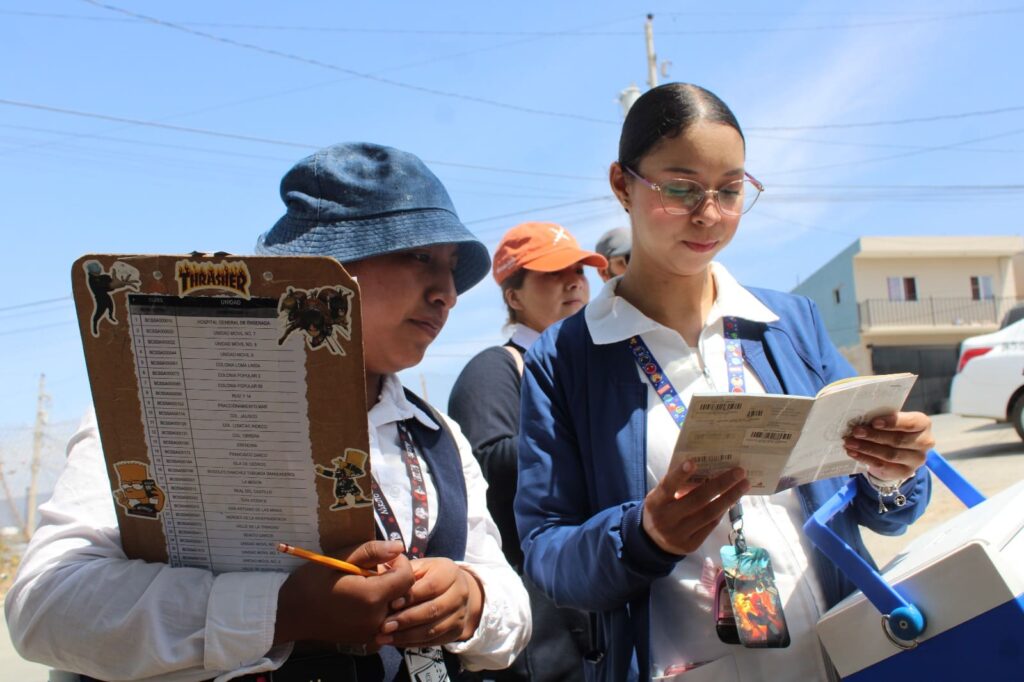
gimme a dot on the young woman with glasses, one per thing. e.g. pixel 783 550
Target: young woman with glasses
pixel 607 525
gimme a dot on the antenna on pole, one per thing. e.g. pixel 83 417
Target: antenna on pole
pixel 652 59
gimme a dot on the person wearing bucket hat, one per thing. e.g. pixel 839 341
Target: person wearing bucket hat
pixel 540 269
pixel 78 604
pixel 389 221
pixel 357 200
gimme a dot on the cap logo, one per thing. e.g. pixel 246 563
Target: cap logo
pixel 559 233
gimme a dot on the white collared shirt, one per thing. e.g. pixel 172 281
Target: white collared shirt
pixel 77 601
pixel 682 625
pixel 524 336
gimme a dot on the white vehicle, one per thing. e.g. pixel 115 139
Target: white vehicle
pixel 989 379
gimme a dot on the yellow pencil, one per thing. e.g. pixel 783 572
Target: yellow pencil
pixel 324 560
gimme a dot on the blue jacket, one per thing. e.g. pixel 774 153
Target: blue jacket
pixel 582 472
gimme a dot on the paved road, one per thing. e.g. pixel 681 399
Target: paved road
pixel 989 455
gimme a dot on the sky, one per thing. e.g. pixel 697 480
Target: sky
pixel 143 127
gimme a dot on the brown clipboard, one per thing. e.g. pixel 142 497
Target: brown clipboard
pixel 167 340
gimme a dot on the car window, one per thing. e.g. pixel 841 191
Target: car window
pixel 1014 314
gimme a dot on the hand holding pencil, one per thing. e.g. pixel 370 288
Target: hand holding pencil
pixel 324 560
pixel 319 600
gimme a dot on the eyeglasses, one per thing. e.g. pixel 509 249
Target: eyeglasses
pixel 682 197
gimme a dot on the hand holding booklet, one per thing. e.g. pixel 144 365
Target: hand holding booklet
pixel 785 440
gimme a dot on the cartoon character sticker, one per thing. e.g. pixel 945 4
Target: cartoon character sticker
pixel 347 469
pixel 103 284
pixel 137 492
pixel 321 314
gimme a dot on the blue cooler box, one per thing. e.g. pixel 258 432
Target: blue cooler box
pixel 949 607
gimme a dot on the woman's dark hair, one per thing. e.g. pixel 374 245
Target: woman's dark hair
pixel 513 281
pixel 666 111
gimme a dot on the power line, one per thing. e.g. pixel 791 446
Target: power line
pixel 925 150
pixel 351 72
pixel 538 208
pixel 25 330
pixel 265 140
pixel 893 122
pixel 910 18
pixel 35 303
pixel 874 145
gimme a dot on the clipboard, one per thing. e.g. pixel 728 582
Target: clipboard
pixel 231 404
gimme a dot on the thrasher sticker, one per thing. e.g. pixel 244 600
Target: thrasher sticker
pixel 232 276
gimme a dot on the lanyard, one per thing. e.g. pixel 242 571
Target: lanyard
pixel 416 549
pixel 663 386
pixel 674 402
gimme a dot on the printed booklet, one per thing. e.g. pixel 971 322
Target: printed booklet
pixel 785 440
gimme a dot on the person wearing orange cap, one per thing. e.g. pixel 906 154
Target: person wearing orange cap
pixel 539 267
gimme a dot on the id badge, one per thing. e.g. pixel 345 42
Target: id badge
pixel 756 605
pixel 425 664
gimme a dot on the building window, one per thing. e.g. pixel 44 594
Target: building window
pixel 835 295
pixel 981 288
pixel 902 288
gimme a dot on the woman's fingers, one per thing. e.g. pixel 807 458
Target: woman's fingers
pixel 679 513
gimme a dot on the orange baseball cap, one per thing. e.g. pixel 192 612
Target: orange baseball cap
pixel 543 247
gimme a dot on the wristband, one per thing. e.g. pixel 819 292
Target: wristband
pixel 887 489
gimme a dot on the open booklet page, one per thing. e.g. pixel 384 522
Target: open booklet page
pixel 783 441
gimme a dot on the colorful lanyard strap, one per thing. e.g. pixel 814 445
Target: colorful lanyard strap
pixel 417 548
pixel 674 402
pixel 663 386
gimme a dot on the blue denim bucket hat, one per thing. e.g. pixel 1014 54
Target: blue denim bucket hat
pixel 356 200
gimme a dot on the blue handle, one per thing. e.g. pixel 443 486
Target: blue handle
pixel 905 620
pixel 964 491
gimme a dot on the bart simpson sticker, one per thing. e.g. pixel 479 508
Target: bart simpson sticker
pixel 346 470
pixel 321 314
pixel 103 284
pixel 137 492
pixel 231 276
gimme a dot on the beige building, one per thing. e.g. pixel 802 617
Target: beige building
pixel 905 303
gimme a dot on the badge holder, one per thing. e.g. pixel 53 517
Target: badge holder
pixel 425 664
pixel 753 614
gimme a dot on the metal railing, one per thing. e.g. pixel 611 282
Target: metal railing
pixel 933 312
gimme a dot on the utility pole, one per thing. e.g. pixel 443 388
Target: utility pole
pixel 16 513
pixel 37 453
pixel 632 93
pixel 652 60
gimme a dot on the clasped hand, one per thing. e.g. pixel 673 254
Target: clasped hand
pixel 419 603
pixel 444 605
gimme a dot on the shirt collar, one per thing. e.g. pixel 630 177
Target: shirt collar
pixel 524 336
pixel 393 406
pixel 611 318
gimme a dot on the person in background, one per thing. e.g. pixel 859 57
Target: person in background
pixel 540 269
pixel 614 245
pixel 79 604
pixel 609 522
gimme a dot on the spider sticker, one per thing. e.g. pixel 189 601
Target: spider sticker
pixel 324 316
